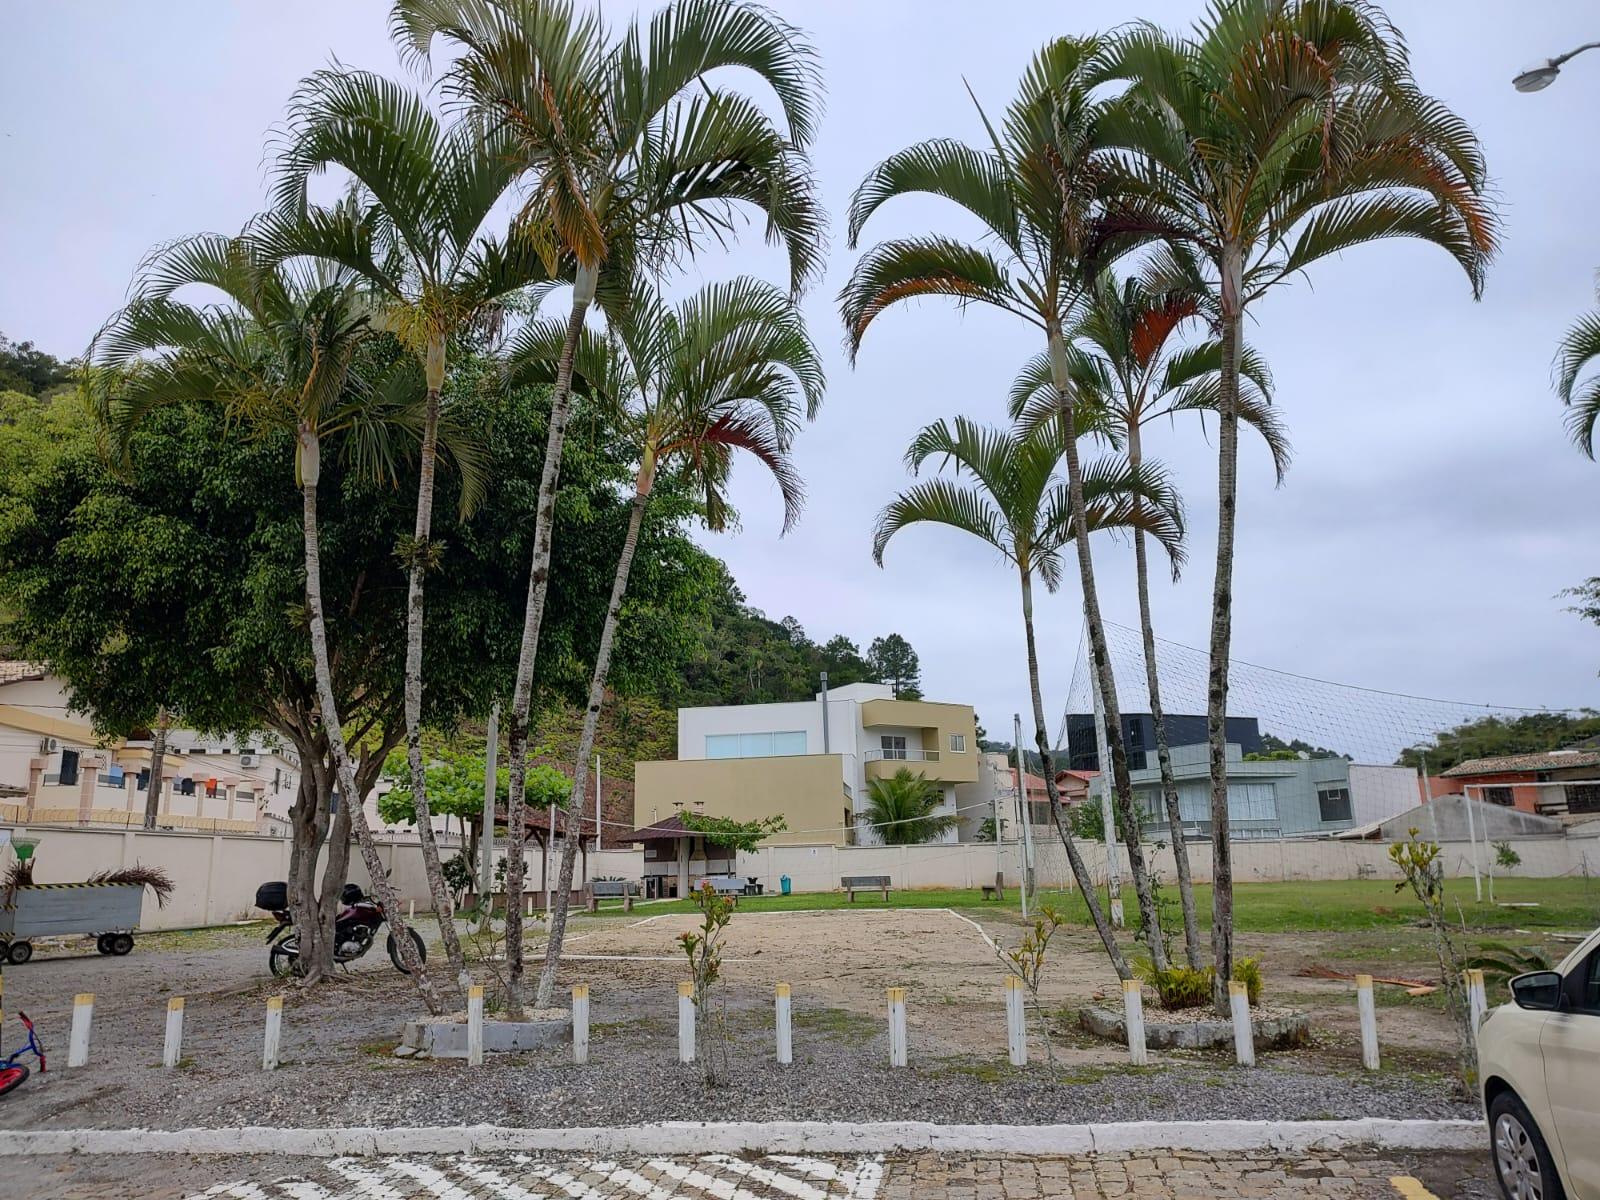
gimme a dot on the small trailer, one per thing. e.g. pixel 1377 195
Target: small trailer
pixel 109 911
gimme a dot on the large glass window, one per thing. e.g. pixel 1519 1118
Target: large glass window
pixel 894 745
pixel 1503 796
pixel 1252 802
pixel 756 745
pixel 1583 797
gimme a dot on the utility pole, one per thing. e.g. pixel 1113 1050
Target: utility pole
pixel 1026 812
pixel 1102 750
pixel 486 840
pixel 599 828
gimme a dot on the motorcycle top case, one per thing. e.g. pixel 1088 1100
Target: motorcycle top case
pixel 274 897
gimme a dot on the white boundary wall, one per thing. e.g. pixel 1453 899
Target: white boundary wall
pixel 216 874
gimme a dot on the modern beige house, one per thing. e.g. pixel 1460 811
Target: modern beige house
pixel 809 762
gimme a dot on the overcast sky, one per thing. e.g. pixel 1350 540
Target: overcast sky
pixel 1435 506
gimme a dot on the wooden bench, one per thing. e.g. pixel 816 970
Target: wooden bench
pixel 993 891
pixel 865 883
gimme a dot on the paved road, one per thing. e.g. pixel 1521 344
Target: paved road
pixel 750 1177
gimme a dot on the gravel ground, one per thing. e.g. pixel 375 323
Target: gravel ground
pixel 338 1068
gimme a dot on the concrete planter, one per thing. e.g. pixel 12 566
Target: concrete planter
pixel 1279 1031
pixel 446 1037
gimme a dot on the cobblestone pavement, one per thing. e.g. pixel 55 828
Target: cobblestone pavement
pixel 750 1177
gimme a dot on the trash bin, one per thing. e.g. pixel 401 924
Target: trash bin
pixel 783 885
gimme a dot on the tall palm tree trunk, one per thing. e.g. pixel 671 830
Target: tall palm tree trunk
pixel 1127 818
pixel 591 725
pixel 432 867
pixel 1041 738
pixel 538 587
pixel 1158 721
pixel 1222 627
pixel 344 772
pixel 158 762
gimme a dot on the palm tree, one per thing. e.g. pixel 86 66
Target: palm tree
pixel 903 810
pixel 729 369
pixel 1580 348
pixel 1034 189
pixel 1018 505
pixel 635 150
pixel 278 354
pixel 413 232
pixel 1128 365
pixel 1278 133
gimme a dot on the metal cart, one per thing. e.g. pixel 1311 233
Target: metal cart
pixel 109 911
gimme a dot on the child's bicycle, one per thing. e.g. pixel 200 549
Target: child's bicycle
pixel 12 1073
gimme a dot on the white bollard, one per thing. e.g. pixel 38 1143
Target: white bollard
pixel 685 1021
pixel 82 1016
pixel 781 1002
pixel 1016 1022
pixel 269 1047
pixel 580 1023
pixel 172 1048
pixel 1244 1038
pixel 1369 1022
pixel 1477 1000
pixel 475 1025
pixel 411 911
pixel 1133 1015
pixel 897 1026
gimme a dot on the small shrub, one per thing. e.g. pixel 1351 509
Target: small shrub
pixel 1248 972
pixel 1506 856
pixel 1177 987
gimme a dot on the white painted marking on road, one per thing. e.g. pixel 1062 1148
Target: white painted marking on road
pixel 773 1179
pixel 815 1167
pixel 975 925
pixel 240 1191
pixel 863 1182
pixel 369 1184
pixel 570 1184
pixel 503 1188
pixel 302 1189
pixel 722 1189
pixel 434 1180
pixel 634 1182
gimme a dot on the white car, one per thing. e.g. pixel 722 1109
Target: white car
pixel 1539 1059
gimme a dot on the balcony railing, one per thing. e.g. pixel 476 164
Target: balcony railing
pixel 901 756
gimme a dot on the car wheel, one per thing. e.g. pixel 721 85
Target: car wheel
pixel 1522 1161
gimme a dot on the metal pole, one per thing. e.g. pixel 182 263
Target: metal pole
pixel 1472 839
pixel 825 712
pixel 1102 749
pixel 549 848
pixel 1427 798
pixel 1025 841
pixel 1028 824
pixel 599 827
pixel 486 841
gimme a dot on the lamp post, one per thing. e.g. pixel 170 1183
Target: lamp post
pixel 1536 79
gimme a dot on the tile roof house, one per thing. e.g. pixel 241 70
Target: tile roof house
pixel 1554 783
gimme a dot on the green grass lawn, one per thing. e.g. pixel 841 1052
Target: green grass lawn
pixel 1565 904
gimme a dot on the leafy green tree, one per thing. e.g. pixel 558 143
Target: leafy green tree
pixel 635 151
pixel 277 353
pixel 1034 190
pixel 894 662
pixel 903 809
pixel 1277 133
pixel 1127 361
pixel 730 370
pixel 1587 595
pixel 1017 504
pixel 412 230
pixel 29 371
pixel 1489 737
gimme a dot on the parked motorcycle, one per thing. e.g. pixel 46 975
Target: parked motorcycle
pixel 355 929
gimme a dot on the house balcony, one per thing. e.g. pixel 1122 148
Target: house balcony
pixel 930 764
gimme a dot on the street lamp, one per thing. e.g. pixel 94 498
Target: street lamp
pixel 1536 79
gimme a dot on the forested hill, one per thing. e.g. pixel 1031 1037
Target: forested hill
pixel 1493 736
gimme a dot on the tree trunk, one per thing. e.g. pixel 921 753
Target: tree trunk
pixel 1127 816
pixel 1158 721
pixel 591 723
pixel 308 821
pixel 345 775
pixel 1222 627
pixel 431 863
pixel 1041 737
pixel 538 588
pixel 158 760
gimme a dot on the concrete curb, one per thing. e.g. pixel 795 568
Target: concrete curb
pixel 774 1137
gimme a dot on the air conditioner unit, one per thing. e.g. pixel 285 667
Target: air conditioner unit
pixel 48 745
pixel 249 760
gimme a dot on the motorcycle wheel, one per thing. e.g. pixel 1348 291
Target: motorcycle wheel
pixel 416 945
pixel 283 957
